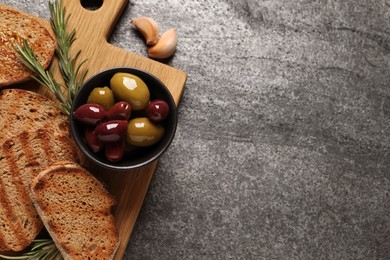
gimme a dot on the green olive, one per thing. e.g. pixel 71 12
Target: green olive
pixel 102 96
pixel 130 88
pixel 142 132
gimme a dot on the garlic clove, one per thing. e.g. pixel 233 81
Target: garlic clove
pixel 148 28
pixel 166 45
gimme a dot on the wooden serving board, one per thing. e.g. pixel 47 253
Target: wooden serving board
pixel 93 29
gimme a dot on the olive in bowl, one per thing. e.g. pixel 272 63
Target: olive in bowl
pixel 123 118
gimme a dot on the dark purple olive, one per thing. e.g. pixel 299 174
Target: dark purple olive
pixel 114 151
pixel 90 114
pixel 119 111
pixel 111 131
pixel 157 110
pixel 93 143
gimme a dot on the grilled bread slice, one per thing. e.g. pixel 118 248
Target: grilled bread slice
pixel 25 149
pixel 75 209
pixel 22 110
pixel 14 27
pixel 22 157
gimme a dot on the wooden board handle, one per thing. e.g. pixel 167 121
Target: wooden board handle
pixel 100 22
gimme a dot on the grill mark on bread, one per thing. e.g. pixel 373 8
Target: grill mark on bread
pixel 29 154
pixel 15 227
pixel 7 213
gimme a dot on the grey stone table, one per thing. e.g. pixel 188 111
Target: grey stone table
pixel 282 147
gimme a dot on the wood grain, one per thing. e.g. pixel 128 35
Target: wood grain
pixel 93 29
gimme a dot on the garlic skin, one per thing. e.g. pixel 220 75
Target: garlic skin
pixel 148 28
pixel 166 45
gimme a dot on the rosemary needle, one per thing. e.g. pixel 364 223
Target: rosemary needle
pixel 72 75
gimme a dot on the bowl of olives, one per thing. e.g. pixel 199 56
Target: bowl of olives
pixel 123 118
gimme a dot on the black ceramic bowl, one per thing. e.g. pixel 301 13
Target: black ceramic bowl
pixel 134 157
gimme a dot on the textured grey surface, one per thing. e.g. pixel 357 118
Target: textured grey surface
pixel 282 147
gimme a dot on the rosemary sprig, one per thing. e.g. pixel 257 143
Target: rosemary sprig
pixel 40 249
pixel 71 73
pixel 44 77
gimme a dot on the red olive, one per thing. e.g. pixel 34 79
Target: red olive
pixel 111 131
pixel 93 143
pixel 114 151
pixel 157 110
pixel 120 111
pixel 90 114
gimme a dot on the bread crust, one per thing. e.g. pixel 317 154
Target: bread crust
pixel 14 27
pixel 76 210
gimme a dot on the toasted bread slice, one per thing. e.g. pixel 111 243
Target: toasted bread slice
pixel 26 149
pixel 14 27
pixel 75 209
pixel 22 110
pixel 21 159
